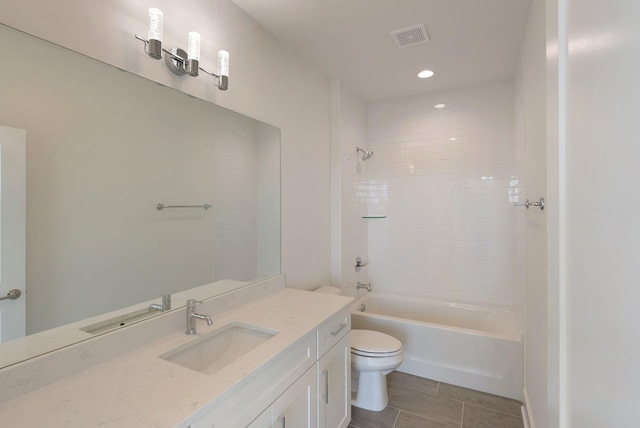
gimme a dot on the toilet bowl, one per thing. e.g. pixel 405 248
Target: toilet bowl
pixel 373 356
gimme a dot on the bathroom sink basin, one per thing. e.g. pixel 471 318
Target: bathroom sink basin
pixel 119 321
pixel 220 348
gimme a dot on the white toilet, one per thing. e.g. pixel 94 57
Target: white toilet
pixel 373 356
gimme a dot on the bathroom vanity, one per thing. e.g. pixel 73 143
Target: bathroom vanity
pixel 287 365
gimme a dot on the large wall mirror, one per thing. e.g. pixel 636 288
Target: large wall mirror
pixel 103 148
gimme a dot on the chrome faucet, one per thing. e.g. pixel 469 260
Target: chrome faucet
pixel 360 285
pixel 191 316
pixel 165 306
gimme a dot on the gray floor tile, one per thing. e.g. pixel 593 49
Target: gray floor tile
pixel 479 417
pixel 432 407
pixel 413 382
pixel 409 420
pixel 501 404
pixel 366 419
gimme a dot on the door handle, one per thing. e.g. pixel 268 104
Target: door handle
pixel 12 294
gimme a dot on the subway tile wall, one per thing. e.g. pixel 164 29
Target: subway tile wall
pixel 268 203
pixel 354 191
pixel 234 207
pixel 246 201
pixel 520 214
pixel 446 179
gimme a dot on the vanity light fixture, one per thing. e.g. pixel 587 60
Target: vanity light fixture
pixel 425 74
pixel 439 106
pixel 179 61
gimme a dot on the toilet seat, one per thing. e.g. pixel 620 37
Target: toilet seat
pixel 374 344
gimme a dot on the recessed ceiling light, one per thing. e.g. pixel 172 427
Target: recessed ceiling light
pixel 425 73
pixel 439 106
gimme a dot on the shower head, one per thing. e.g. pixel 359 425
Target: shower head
pixel 365 154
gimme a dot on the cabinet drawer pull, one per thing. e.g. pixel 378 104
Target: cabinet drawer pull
pixel 338 330
pixel 283 420
pixel 325 396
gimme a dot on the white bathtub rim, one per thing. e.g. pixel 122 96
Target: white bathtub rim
pixel 452 304
pixel 515 336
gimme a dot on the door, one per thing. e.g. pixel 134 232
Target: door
pixel 262 421
pixel 12 231
pixel 296 408
pixel 334 385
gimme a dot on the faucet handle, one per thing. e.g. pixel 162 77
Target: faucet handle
pixel 191 303
pixel 166 301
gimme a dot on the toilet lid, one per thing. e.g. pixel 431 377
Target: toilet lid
pixel 374 342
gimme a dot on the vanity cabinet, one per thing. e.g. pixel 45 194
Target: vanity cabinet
pixel 295 408
pixel 308 386
pixel 321 397
pixel 334 372
pixel 334 385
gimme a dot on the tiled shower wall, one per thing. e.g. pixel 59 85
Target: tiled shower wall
pixel 446 180
pixel 246 201
pixel 353 182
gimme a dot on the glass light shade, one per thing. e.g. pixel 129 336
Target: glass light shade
pixel 155 24
pixel 193 46
pixel 223 63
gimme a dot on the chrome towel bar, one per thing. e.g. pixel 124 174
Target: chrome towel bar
pixel 528 204
pixel 160 207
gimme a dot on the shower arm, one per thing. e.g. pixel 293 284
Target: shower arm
pixel 365 154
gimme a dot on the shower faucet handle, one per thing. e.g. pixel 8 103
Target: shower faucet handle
pixel 359 264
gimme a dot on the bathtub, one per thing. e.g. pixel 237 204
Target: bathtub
pixel 464 345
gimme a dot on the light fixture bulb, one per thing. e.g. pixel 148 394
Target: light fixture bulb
pixel 439 106
pixel 193 46
pixel 155 24
pixel 425 74
pixel 223 63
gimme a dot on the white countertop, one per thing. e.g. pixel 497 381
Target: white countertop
pixel 139 389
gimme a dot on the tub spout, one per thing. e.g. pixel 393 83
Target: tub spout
pixel 360 285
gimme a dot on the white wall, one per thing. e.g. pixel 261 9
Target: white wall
pixel 266 83
pixel 532 105
pixel 447 181
pixel 602 205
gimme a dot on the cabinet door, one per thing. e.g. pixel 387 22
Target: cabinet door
pixel 262 421
pixel 297 407
pixel 334 385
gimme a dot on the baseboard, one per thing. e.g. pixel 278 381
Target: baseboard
pixel 526 415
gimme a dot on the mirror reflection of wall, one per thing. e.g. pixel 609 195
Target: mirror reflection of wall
pixel 104 147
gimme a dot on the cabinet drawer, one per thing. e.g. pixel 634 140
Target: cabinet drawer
pixel 332 330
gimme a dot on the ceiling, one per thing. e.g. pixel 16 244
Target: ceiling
pixel 472 41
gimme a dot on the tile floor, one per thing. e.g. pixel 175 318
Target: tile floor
pixel 415 402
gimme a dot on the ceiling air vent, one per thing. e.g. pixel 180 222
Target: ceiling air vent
pixel 410 36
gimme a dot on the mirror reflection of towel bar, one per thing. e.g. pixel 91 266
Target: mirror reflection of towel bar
pixel 160 207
